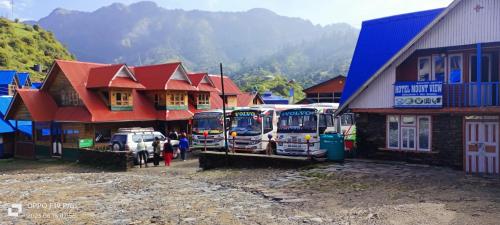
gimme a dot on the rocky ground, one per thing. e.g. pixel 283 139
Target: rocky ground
pixel 357 192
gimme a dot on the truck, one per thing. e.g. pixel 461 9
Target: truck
pixel 295 124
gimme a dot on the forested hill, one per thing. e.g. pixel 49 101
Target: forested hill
pixel 22 46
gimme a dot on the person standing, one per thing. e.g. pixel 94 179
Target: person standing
pixel 156 151
pixel 168 152
pixel 142 153
pixel 183 146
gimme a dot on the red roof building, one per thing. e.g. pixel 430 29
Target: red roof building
pixel 90 101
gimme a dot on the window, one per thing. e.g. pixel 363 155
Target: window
pixel 393 131
pixel 409 132
pixel 439 67
pixel 424 133
pixel 424 68
pixel 455 67
pixel 204 99
pixel 177 98
pixel 42 134
pixel 12 89
pixel 485 71
pixel 122 99
pixel 71 135
pixel 69 98
pixel 268 124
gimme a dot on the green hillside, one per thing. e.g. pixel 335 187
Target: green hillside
pixel 22 46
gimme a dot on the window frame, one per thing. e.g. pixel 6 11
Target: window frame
pixel 461 68
pixel 388 143
pixel 429 59
pixel 490 60
pixel 177 99
pixel 203 99
pixel 415 127
pixel 433 68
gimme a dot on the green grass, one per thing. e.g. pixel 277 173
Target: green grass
pixel 22 46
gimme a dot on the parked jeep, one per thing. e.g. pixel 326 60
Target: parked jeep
pixel 126 139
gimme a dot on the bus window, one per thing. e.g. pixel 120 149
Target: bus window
pixel 268 124
pixel 347 119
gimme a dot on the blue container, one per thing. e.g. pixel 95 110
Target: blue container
pixel 334 145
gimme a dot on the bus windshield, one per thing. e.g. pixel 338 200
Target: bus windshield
pixel 246 123
pixel 298 121
pixel 210 122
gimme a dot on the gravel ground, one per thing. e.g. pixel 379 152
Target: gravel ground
pixel 357 192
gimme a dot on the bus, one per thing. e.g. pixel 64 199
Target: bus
pixel 295 124
pixel 211 122
pixel 254 126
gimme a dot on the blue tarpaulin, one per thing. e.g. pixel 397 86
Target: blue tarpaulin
pixel 379 40
pixel 269 98
pixel 9 126
pixel 22 77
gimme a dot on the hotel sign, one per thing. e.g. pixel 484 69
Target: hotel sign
pixel 421 94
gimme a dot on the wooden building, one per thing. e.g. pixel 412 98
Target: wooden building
pixel 81 103
pixel 425 87
pixel 329 91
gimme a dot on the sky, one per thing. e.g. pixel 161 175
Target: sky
pixel 321 12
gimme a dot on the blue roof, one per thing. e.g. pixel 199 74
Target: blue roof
pixel 36 85
pixel 4 103
pixel 269 98
pixel 379 40
pixel 6 76
pixel 9 126
pixel 23 77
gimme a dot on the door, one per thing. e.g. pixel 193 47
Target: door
pixel 56 146
pixel 481 146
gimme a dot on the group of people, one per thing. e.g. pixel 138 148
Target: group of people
pixel 167 148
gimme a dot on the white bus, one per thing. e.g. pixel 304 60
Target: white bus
pixel 295 124
pixel 211 122
pixel 253 126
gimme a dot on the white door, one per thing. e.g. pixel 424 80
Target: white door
pixel 481 147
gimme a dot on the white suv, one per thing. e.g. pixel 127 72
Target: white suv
pixel 127 138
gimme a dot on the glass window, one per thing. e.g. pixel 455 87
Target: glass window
pixel 408 137
pixel 485 71
pixel 136 137
pixel 43 134
pixel 439 63
pixel 393 132
pixel 456 66
pixel 71 135
pixel 177 98
pixel 203 99
pixel 424 133
pixel 424 69
pixel 408 120
pixel 148 137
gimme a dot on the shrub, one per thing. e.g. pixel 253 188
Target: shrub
pixel 36 27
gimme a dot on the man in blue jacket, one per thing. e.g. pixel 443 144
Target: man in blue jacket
pixel 183 146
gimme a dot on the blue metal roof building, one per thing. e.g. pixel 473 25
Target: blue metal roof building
pixel 24 79
pixel 379 40
pixel 269 98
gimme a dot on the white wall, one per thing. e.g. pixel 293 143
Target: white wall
pixel 461 26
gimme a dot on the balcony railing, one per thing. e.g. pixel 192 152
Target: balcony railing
pixel 482 94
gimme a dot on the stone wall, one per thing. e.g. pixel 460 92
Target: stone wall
pixel 118 161
pixel 212 160
pixel 447 145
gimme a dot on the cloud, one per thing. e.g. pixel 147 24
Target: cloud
pixel 5 4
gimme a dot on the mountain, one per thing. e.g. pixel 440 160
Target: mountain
pixel 22 46
pixel 144 33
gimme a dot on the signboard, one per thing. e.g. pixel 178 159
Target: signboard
pixel 298 113
pixel 245 114
pixel 86 143
pixel 421 94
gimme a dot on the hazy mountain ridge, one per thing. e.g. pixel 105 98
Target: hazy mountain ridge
pixel 146 33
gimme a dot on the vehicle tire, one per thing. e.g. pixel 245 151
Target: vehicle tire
pixel 116 146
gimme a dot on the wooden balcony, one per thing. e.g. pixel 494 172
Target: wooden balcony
pixel 477 94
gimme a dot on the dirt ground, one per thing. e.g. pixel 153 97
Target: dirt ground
pixel 357 192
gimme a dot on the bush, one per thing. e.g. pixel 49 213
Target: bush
pixel 4 59
pixel 36 27
pixel 27 40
